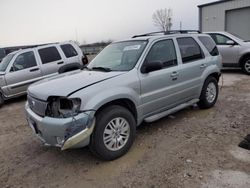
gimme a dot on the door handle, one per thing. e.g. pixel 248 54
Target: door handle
pixel 203 66
pixel 61 62
pixel 174 74
pixel 33 70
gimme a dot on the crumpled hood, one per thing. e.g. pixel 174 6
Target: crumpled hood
pixel 68 83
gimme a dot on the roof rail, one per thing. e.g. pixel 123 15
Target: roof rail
pixel 167 33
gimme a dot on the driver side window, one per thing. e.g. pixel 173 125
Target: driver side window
pixel 164 52
pixel 24 61
pixel 220 39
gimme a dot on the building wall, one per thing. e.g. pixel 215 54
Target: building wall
pixel 242 27
pixel 212 17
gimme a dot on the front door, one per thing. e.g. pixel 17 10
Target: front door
pixel 159 89
pixel 229 52
pixel 23 72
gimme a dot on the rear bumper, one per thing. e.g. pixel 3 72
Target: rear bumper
pixel 73 132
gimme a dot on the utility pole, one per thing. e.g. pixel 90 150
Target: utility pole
pixel 180 25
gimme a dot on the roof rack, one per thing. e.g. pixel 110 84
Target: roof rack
pixel 167 33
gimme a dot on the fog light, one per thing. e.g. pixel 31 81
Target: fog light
pixel 60 141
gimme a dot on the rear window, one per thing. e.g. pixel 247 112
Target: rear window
pixel 69 50
pixel 190 50
pixel 49 54
pixel 209 44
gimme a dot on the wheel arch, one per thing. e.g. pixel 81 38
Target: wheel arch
pixel 243 57
pixel 69 67
pixel 216 75
pixel 124 102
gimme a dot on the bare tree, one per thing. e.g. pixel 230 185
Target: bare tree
pixel 162 18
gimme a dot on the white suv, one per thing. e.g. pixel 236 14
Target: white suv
pixel 21 68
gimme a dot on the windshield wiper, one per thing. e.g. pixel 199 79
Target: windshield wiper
pixel 102 69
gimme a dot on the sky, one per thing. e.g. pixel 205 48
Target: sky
pixel 26 22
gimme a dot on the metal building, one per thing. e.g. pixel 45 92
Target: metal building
pixel 226 15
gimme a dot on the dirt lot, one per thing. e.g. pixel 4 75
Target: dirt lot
pixel 192 148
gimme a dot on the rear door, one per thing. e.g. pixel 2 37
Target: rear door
pixel 193 65
pixel 22 72
pixel 51 60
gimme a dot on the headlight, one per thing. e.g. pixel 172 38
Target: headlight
pixel 62 107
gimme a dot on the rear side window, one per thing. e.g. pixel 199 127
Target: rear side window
pixel 49 54
pixel 190 50
pixel 69 50
pixel 163 51
pixel 209 44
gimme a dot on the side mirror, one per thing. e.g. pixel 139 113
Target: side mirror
pixel 12 69
pixel 151 66
pixel 230 42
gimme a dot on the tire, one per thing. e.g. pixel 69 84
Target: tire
pixel 109 150
pixel 1 100
pixel 209 93
pixel 246 65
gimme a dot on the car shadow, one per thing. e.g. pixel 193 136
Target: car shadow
pixel 81 155
pixel 232 70
pixel 15 100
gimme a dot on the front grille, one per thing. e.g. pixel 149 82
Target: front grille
pixel 37 106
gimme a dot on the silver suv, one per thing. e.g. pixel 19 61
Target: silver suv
pixel 21 68
pixel 235 52
pixel 140 79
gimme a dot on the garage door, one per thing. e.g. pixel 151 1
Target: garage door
pixel 237 21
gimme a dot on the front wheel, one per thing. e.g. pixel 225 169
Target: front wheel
pixel 209 93
pixel 246 65
pixel 114 132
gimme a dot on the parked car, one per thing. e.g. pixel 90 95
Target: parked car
pixel 140 79
pixel 235 52
pixel 21 68
pixel 2 54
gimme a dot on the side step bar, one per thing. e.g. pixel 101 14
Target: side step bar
pixel 170 111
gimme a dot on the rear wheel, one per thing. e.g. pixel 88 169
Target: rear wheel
pixel 246 65
pixel 114 132
pixel 209 93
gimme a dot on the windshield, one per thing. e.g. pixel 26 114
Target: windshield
pixel 237 36
pixel 121 56
pixel 5 62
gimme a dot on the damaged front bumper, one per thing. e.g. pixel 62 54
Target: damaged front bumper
pixel 73 132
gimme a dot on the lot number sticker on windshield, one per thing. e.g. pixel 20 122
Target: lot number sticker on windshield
pixel 134 47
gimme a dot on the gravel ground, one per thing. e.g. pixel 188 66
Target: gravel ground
pixel 191 148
